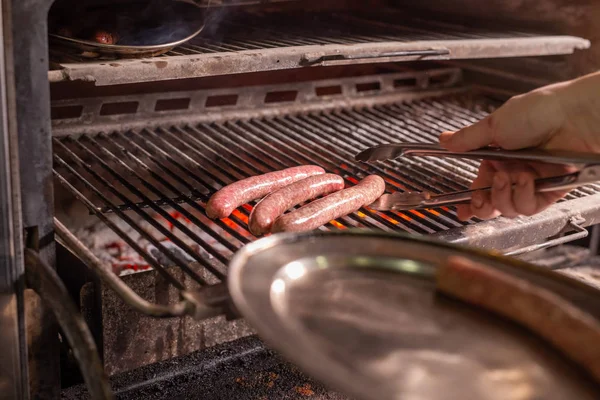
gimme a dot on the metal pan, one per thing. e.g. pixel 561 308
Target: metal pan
pixel 89 49
pixel 93 50
pixel 358 311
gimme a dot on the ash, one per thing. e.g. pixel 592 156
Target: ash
pixel 109 247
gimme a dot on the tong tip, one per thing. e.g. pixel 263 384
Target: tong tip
pixel 364 155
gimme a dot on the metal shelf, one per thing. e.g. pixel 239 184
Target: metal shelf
pixel 242 42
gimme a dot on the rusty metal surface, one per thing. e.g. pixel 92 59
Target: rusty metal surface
pixel 505 234
pixel 32 94
pixel 243 369
pixel 132 340
pixel 13 342
pixel 43 279
pixel 251 102
pixel 239 43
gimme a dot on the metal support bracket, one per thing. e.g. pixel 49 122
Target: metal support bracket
pixel 574 223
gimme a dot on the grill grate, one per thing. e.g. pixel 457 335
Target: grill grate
pixel 158 180
pixel 242 41
pixel 246 31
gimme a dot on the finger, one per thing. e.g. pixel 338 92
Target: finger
pixel 472 137
pixel 523 121
pixel 463 212
pixel 524 199
pixel 482 207
pixel 544 170
pixel 502 194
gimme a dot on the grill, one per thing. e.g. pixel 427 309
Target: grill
pixel 184 164
pixel 158 180
pixel 117 159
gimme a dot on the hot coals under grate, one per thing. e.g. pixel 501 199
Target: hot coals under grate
pixel 150 186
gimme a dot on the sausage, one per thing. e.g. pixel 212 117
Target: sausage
pixel 275 204
pixel 105 37
pixel 336 205
pixel 552 317
pixel 222 203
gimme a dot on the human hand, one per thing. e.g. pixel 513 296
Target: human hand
pixel 564 116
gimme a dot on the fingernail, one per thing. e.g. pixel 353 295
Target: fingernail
pixel 477 200
pixel 499 182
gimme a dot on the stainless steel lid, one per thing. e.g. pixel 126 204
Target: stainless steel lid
pixel 358 311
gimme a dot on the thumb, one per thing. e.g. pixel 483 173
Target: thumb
pixel 478 135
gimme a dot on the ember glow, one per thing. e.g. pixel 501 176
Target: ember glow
pixel 418 214
pixel 388 218
pixel 353 180
pixel 113 250
pixel 337 225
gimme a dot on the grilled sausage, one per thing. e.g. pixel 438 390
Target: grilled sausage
pixel 275 204
pixel 105 37
pixel 551 316
pixel 336 205
pixel 222 203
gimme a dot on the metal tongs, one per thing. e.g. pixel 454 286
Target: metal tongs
pixel 588 165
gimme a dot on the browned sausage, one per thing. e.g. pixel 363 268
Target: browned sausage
pixel 549 315
pixel 336 205
pixel 275 204
pixel 222 203
pixel 105 37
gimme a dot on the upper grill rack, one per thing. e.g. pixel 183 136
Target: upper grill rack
pixel 151 185
pixel 240 42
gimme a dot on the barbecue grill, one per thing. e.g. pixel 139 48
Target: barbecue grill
pixel 118 157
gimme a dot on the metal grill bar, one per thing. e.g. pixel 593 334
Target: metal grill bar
pixel 175 169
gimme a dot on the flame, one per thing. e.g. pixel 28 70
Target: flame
pixel 434 212
pixel 361 214
pixel 353 180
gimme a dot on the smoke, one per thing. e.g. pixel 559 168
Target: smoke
pixel 160 22
pixel 141 23
pixel 214 29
